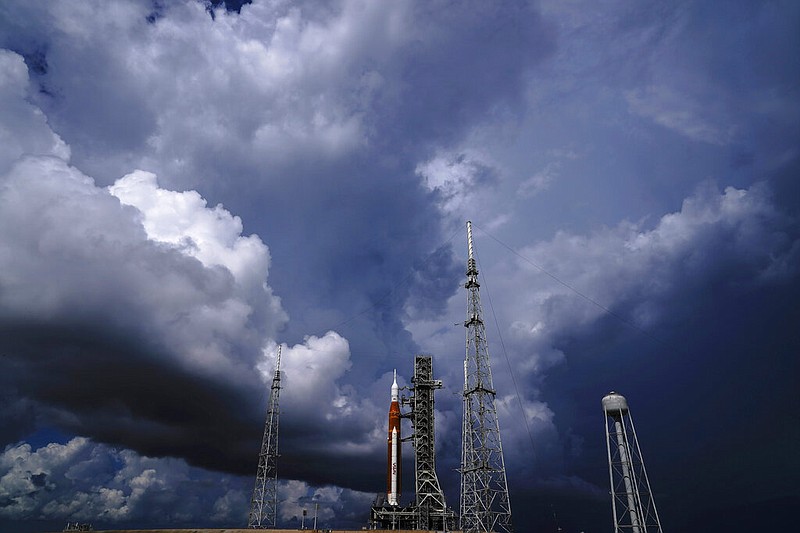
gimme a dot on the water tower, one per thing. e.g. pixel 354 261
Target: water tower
pixel 632 500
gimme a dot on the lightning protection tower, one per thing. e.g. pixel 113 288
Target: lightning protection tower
pixel 485 505
pixel 264 503
pixel 632 504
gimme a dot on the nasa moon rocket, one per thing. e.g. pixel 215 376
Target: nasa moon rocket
pixel 393 475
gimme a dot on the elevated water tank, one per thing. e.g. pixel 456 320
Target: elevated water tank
pixel 615 404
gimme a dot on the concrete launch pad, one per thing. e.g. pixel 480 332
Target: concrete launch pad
pixel 309 530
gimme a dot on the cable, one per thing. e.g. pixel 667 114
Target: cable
pixel 576 291
pixel 508 361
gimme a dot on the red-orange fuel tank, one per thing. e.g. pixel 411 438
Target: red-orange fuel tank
pixel 394 458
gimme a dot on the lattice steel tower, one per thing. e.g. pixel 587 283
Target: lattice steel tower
pixel 264 503
pixel 632 504
pixel 432 511
pixel 485 505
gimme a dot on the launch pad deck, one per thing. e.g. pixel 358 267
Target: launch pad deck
pixel 245 530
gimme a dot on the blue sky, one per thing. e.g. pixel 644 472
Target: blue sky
pixel 184 187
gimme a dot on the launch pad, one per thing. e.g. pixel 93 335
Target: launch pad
pixel 484 503
pixel 429 510
pixel 250 530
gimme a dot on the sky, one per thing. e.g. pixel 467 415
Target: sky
pixel 187 185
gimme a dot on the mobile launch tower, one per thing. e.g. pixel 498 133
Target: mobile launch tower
pixel 264 503
pixel 429 510
pixel 485 505
pixel 633 506
pixel 432 511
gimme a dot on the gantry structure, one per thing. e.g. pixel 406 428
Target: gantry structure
pixel 428 511
pixel 264 503
pixel 432 511
pixel 633 507
pixel 485 505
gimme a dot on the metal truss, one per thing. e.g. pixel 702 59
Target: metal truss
pixel 431 506
pixel 264 503
pixel 633 507
pixel 485 504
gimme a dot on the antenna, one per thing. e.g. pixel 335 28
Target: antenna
pixel 485 505
pixel 264 503
pixel 632 501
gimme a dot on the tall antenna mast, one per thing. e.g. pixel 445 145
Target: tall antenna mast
pixel 485 505
pixel 264 503
pixel 632 504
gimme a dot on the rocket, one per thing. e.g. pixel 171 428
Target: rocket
pixel 394 459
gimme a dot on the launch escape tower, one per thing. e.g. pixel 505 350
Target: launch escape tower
pixel 633 506
pixel 264 503
pixel 429 510
pixel 485 505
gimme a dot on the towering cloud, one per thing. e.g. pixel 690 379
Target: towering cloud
pixel 119 317
pixel 184 187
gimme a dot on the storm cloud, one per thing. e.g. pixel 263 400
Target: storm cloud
pixel 185 187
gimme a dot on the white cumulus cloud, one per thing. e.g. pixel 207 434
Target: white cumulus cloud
pixel 89 482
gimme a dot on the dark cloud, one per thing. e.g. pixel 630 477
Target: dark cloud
pixel 706 337
pixel 86 337
pixel 113 389
pixel 713 373
pixel 136 329
pixel 116 334
pixel 458 64
pixel 396 76
pixel 354 138
pixel 662 314
pixel 323 96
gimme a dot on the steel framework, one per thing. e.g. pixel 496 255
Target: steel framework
pixel 432 511
pixel 485 504
pixel 633 507
pixel 264 503
pixel 428 511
